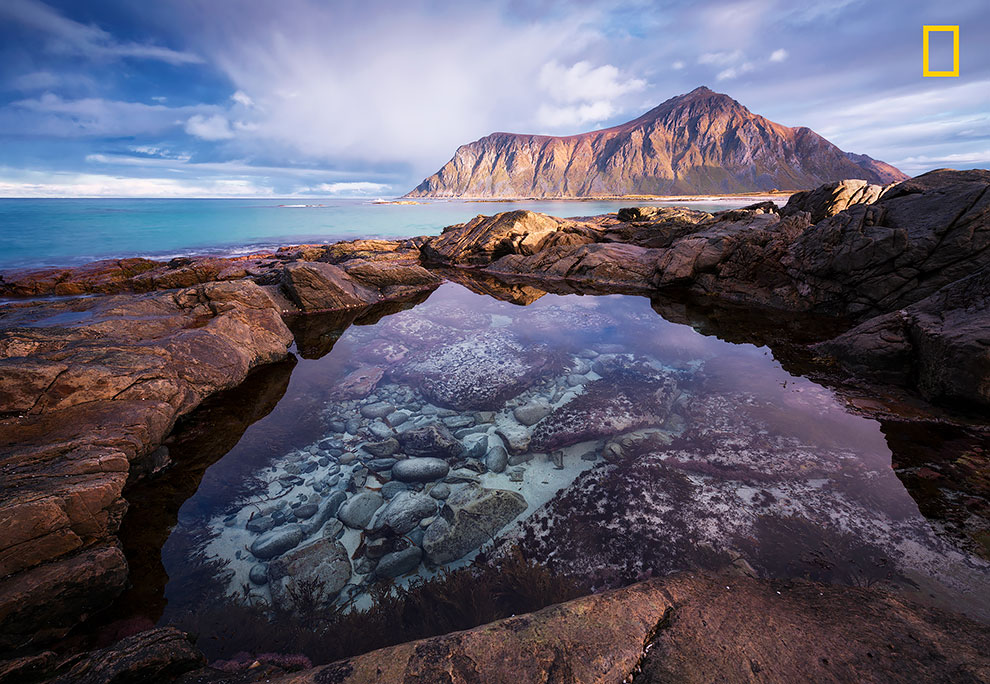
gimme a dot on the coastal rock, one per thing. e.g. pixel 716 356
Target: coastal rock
pixel 420 470
pixel 317 286
pixel 486 238
pixel 471 517
pixel 155 655
pixel 920 236
pixel 324 561
pixel 698 628
pixel 624 400
pixel 383 449
pixel 357 512
pixel 938 345
pixel 404 512
pixel 277 541
pixel 831 198
pixel 259 574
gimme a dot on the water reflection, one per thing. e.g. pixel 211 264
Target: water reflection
pixel 604 440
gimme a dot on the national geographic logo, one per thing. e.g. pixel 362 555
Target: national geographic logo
pixel 928 30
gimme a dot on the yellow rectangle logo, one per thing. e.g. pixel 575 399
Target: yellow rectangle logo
pixel 954 30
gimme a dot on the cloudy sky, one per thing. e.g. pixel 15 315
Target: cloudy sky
pixel 305 98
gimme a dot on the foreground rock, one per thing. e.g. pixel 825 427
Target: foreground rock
pixel 88 405
pixel 692 628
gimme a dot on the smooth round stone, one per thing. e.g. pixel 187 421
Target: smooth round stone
pixel 440 491
pixel 353 425
pixel 377 410
pixel 306 511
pixel 420 470
pixel 260 524
pixel 277 541
pixel 259 574
pixel 390 489
pixel 380 430
pixel 338 426
pixel 380 464
pixel 359 509
pixel 403 513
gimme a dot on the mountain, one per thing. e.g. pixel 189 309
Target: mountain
pixel 698 143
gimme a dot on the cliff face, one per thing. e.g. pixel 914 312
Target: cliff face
pixel 701 142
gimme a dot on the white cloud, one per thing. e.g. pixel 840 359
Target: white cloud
pixel 778 55
pixel 242 98
pixel 573 116
pixel 214 127
pixel 581 94
pixel 734 71
pixel 54 115
pixel 446 78
pixel 720 58
pixel 349 189
pixel 71 37
pixel 35 80
pixel 37 184
pixel 583 83
pixel 677 66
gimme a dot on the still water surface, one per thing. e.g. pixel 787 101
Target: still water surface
pixel 603 440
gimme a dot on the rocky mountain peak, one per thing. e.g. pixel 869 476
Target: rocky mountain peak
pixel 696 143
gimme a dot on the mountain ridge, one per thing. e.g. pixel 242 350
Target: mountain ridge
pixel 701 142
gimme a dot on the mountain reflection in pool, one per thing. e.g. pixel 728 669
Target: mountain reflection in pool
pixel 604 441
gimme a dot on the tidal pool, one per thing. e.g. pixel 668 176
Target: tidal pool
pixel 599 439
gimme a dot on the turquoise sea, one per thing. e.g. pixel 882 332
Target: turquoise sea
pixel 64 232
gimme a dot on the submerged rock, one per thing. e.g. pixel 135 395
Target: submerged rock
pixel 533 412
pixel 399 562
pixel 433 440
pixel 470 518
pixel 277 541
pixel 323 563
pixel 624 400
pixel 420 470
pixel 404 511
pixel 480 371
pixel 497 458
pixel 359 509
pixel 259 574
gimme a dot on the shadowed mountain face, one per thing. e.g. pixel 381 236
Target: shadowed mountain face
pixel 701 142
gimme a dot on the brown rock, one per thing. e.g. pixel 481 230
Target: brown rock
pixel 486 238
pixel 831 198
pixel 48 601
pixel 157 655
pixel 691 628
pixel 317 286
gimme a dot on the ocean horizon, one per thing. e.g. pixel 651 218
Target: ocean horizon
pixel 65 232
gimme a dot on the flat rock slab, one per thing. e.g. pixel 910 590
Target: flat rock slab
pixel 701 628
